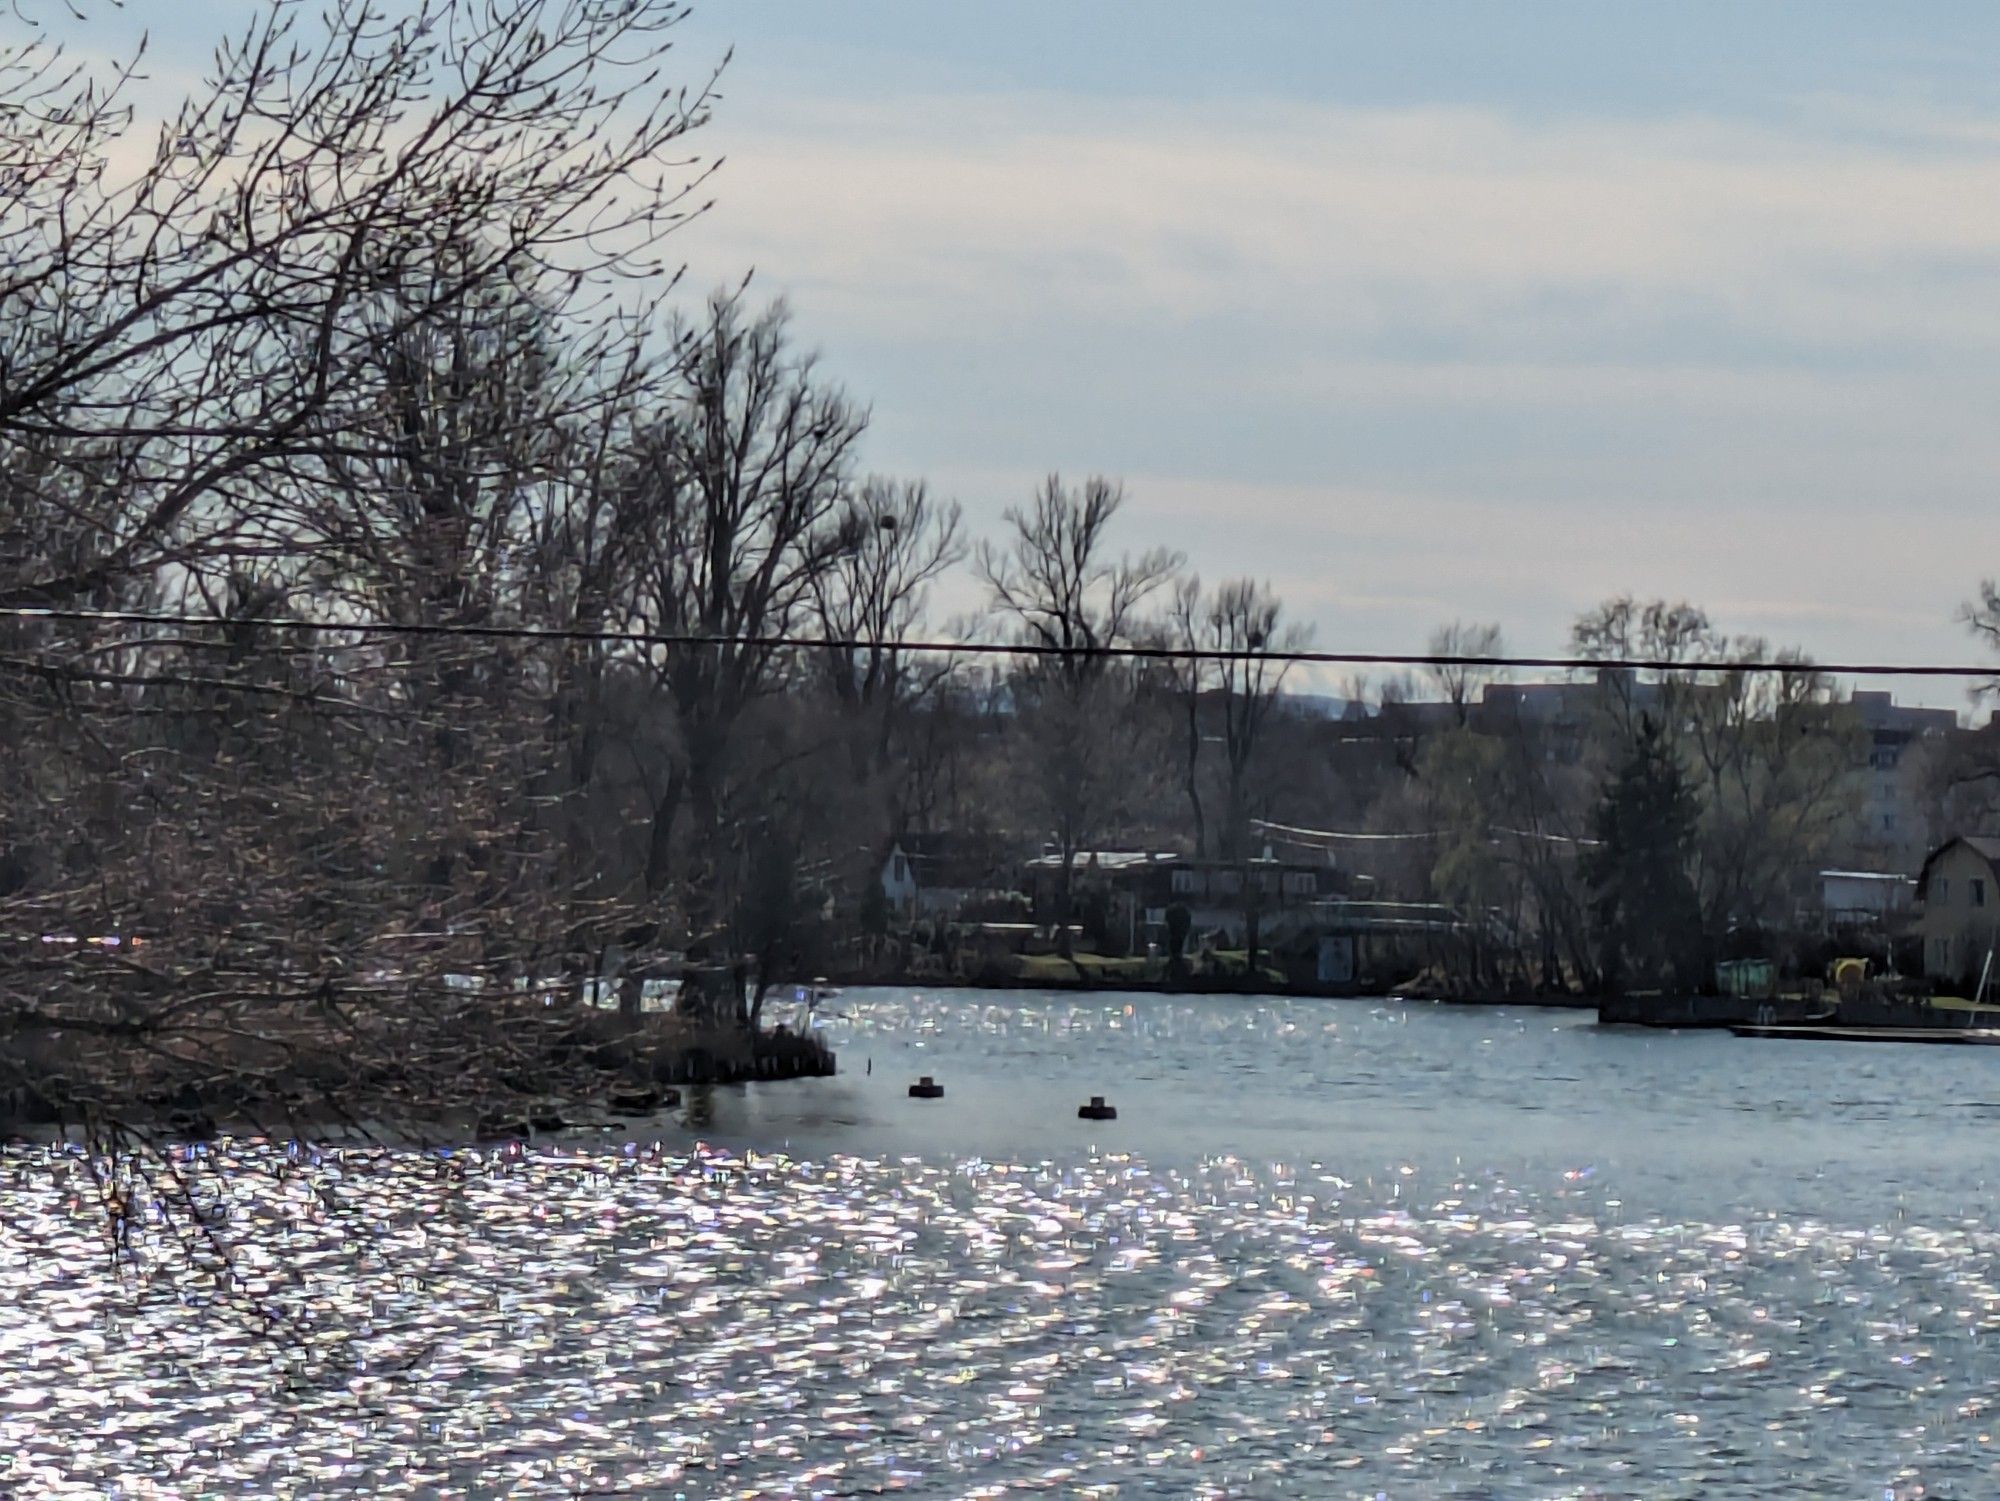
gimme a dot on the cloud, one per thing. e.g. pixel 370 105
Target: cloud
pixel 1376 570
pixel 1358 221
pixel 1423 362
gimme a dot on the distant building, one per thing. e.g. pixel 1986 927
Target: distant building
pixel 1316 705
pixel 1959 889
pixel 1896 800
pixel 899 880
pixel 1416 715
pixel 1219 895
pixel 1568 704
pixel 1562 715
pixel 1897 814
pixel 940 875
pixel 1865 898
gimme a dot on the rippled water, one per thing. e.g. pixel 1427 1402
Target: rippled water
pixel 1327 1250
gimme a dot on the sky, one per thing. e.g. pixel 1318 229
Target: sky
pixel 1420 311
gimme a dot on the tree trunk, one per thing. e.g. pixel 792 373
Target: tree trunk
pixel 1193 778
pixel 632 989
pixel 1065 901
pixel 757 1001
pixel 659 846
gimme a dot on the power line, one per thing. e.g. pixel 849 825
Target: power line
pixel 1125 651
pixel 1292 833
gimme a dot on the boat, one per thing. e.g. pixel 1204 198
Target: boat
pixel 1687 1012
pixel 1964 1036
pixel 1748 1002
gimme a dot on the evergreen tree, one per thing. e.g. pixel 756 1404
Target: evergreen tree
pixel 1647 915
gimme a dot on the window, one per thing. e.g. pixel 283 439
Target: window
pixel 1186 881
pixel 1940 953
pixel 1227 883
pixel 1978 892
pixel 902 870
pixel 1299 883
pixel 1941 890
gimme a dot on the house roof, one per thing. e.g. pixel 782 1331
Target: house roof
pixel 1104 860
pixel 1987 849
pixel 1115 861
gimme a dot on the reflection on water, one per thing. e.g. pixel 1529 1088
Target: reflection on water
pixel 699 1114
pixel 875 1307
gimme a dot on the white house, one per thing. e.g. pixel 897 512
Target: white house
pixel 899 880
pixel 939 875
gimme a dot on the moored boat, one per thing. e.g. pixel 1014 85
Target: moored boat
pixel 1963 1036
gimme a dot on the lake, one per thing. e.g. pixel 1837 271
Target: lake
pixel 1328 1249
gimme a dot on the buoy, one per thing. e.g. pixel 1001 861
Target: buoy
pixel 1096 1110
pixel 927 1088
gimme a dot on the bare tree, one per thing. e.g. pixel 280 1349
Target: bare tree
pixel 354 346
pixel 1777 757
pixel 1245 627
pixel 1055 582
pixel 1461 683
pixel 175 337
pixel 1245 620
pixel 1512 818
pixel 1238 645
pixel 1653 631
pixel 1189 676
pixel 1982 619
pixel 1962 777
pixel 747 470
pixel 1771 755
pixel 870 600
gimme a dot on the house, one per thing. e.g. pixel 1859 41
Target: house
pixel 1959 889
pixel 1219 895
pixel 1127 876
pixel 940 875
pixel 1864 898
pixel 899 880
pixel 1359 940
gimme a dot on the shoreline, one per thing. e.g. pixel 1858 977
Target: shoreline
pixel 600 1069
pixel 635 1073
pixel 1675 1012
pixel 1214 987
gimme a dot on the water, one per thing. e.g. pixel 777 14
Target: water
pixel 1328 1249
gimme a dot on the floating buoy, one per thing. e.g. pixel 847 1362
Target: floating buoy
pixel 1096 1110
pixel 927 1088
pixel 644 1101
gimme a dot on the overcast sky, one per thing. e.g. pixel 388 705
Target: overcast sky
pixel 1418 310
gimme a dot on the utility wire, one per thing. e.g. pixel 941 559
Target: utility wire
pixel 1293 834
pixel 1125 651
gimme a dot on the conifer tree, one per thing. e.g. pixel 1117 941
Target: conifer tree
pixel 1647 915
